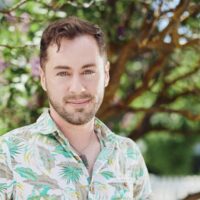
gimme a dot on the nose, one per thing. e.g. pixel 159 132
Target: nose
pixel 76 85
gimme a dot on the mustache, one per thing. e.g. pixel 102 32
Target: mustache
pixel 77 97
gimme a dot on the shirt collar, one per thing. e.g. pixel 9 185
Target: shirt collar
pixel 103 132
pixel 46 126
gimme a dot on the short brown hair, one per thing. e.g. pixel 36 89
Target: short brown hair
pixel 69 28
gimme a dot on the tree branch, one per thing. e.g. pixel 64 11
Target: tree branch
pixel 159 128
pixel 176 17
pixel 167 84
pixel 149 24
pixel 193 10
pixel 153 69
pixel 117 69
pixel 194 42
pixel 185 113
pixel 166 99
pixel 16 47
pixel 144 126
pixel 16 6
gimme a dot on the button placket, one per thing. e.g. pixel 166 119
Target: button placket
pixel 77 159
pixel 91 188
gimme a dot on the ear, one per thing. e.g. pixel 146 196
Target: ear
pixel 107 75
pixel 42 79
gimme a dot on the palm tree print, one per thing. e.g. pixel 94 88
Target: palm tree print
pixel 71 172
pixel 26 173
pixel 3 188
pixel 14 145
pixel 107 174
pixel 60 150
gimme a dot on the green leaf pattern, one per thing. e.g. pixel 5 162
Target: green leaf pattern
pixel 3 187
pixel 45 168
pixel 26 173
pixel 15 146
pixel 107 174
pixel 71 172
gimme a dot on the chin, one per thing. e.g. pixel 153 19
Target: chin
pixel 79 121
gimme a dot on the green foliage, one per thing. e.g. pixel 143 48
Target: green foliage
pixel 169 155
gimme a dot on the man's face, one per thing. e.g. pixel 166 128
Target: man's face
pixel 74 79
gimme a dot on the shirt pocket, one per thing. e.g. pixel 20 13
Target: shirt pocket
pixel 121 188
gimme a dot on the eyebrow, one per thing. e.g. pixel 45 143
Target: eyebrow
pixel 68 67
pixel 88 65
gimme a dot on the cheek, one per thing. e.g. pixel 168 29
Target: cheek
pixel 55 89
pixel 98 89
pixel 55 83
pixel 96 84
pixel 101 82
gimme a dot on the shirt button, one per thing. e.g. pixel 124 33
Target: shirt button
pixel 92 189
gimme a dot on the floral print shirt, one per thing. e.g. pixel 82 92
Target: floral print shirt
pixel 38 163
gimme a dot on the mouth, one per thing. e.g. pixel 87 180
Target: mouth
pixel 79 101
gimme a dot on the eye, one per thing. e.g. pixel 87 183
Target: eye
pixel 63 74
pixel 88 72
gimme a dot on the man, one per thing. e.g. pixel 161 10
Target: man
pixel 69 154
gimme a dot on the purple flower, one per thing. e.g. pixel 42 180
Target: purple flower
pixel 3 65
pixel 10 18
pixel 25 21
pixel 35 65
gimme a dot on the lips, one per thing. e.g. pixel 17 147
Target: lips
pixel 79 101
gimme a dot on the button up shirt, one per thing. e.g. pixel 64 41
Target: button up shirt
pixel 38 163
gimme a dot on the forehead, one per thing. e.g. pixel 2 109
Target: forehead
pixel 80 47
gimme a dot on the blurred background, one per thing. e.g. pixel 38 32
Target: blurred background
pixel 154 92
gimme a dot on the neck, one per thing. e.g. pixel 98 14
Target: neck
pixel 76 134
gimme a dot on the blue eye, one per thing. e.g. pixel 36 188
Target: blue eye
pixel 62 74
pixel 88 72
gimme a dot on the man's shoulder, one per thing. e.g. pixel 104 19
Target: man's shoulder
pixel 123 139
pixel 43 125
pixel 125 142
pixel 24 133
pixel 114 138
pixel 128 150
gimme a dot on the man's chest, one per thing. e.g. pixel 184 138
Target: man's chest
pixel 72 184
pixel 63 176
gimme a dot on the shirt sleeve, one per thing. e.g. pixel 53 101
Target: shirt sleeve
pixel 142 187
pixel 6 175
